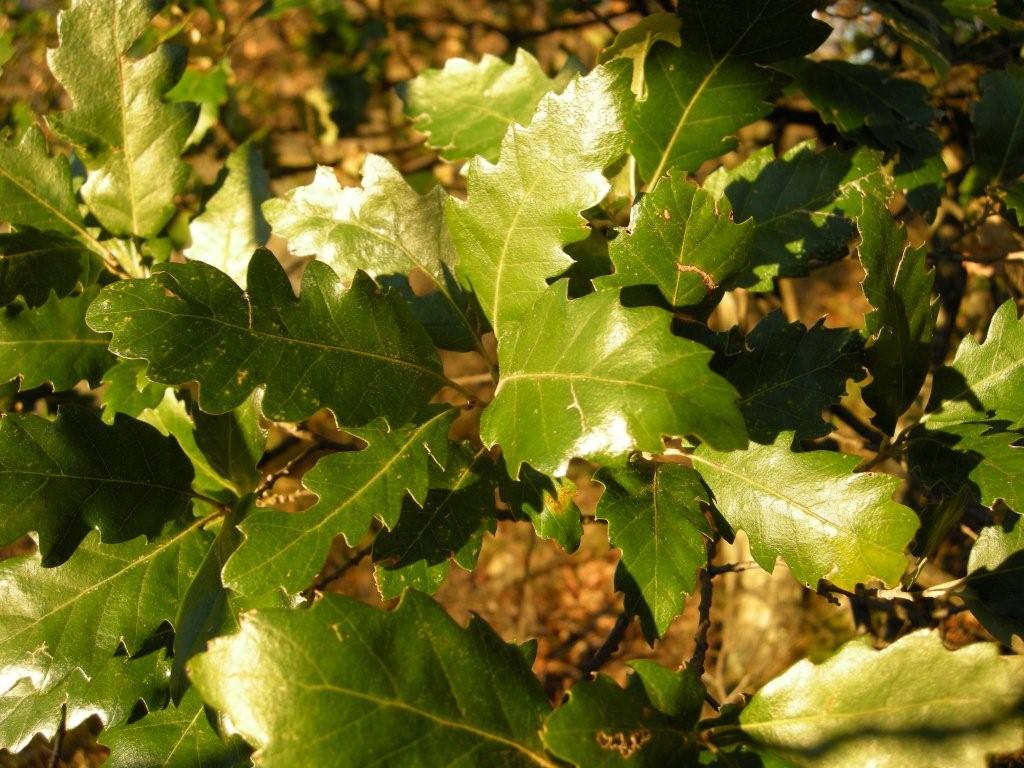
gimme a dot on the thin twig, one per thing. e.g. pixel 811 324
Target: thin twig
pixel 746 565
pixel 339 570
pixel 700 649
pixel 58 742
pixel 608 647
pixel 602 18
pixel 871 436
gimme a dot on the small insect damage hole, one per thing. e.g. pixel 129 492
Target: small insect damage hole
pixel 626 744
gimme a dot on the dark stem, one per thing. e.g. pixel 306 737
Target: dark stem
pixel 608 647
pixel 869 434
pixel 700 649
pixel 58 741
pixel 746 565
pixel 338 571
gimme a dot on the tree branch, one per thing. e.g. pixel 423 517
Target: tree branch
pixel 700 649
pixel 608 647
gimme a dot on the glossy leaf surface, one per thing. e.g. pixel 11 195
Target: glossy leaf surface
pixel 384 227
pixel 655 518
pixel 285 550
pixel 358 352
pixel 231 225
pixel 709 87
pixel 51 344
pixel 682 241
pixel 812 510
pixel 984 379
pixel 466 107
pixel 901 326
pixel 408 682
pixel 619 384
pixel 176 737
pixel 63 478
pixel 800 204
pixel 913 703
pixel 521 212
pixel 129 137
pixel 104 596
pixel 35 188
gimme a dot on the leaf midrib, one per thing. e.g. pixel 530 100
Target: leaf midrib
pixel 697 94
pixel 102 480
pixel 774 493
pixel 131 564
pixel 537 758
pixel 833 716
pixel 352 497
pixel 439 375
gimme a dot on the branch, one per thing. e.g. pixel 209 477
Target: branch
pixel 869 434
pixel 700 649
pixel 608 647
pixel 746 565
pixel 58 742
pixel 337 571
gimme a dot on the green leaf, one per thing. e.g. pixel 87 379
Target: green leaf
pixel 231 225
pixel 110 692
pixel 635 44
pixel 128 391
pixel 799 203
pixel 812 510
pixel 130 139
pixel 51 344
pixel 855 97
pixel 1013 197
pixel 979 455
pixel 987 11
pixel 996 544
pixel 36 189
pixel 655 518
pixel 233 442
pixel 285 550
pixel 999 125
pixel 995 577
pixel 63 478
pixel 520 213
pixel 900 328
pixel 449 526
pixel 702 92
pixel 176 737
pixel 616 382
pixel 418 685
pixel 787 374
pixel 465 108
pixel 358 352
pixel 451 316
pixel 205 610
pixel 383 228
pixel 650 723
pixel 683 241
pixel 34 264
pixel 60 624
pixel 984 379
pixel 549 503
pixel 207 88
pixel 913 703
pixel 917 24
pixel 236 432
